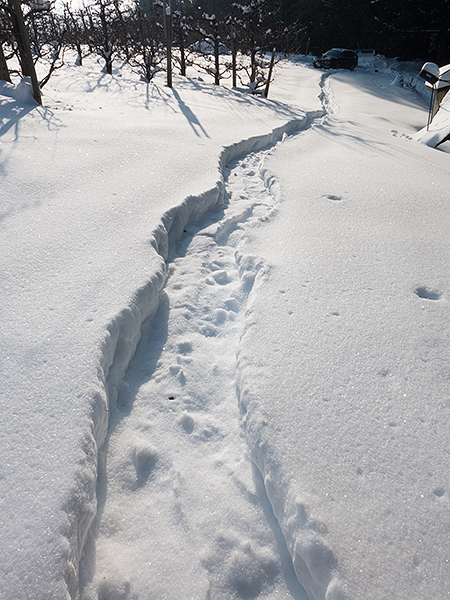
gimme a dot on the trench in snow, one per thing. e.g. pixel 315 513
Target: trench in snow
pixel 182 511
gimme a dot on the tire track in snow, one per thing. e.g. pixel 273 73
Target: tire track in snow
pixel 183 513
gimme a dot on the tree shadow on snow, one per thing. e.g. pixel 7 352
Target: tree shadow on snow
pixel 10 117
pixel 193 121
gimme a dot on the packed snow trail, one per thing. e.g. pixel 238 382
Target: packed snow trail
pixel 182 512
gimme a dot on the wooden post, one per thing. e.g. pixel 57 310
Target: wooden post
pixel 272 61
pixel 169 44
pixel 23 33
pixel 233 57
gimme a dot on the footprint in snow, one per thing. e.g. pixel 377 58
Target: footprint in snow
pixel 332 197
pixel 144 458
pixel 406 137
pixel 221 277
pixel 428 293
pixel 187 422
pixel 185 347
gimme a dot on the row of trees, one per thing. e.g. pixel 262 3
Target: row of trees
pixel 142 32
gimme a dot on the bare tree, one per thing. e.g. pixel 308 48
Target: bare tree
pixel 76 31
pixel 147 54
pixel 102 37
pixel 211 47
pixel 183 30
pixel 5 37
pixel 258 30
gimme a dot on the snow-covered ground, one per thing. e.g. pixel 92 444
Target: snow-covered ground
pixel 289 394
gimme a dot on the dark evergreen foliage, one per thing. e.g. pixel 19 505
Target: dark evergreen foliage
pixel 408 29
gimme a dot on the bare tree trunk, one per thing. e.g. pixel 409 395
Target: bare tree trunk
pixel 269 77
pixel 53 66
pixel 22 35
pixel 4 71
pixel 123 29
pixel 216 62
pixel 108 50
pixel 22 56
pixel 233 59
pixel 253 63
pixel 182 60
pixel 80 54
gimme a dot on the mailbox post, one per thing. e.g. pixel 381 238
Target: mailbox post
pixel 437 80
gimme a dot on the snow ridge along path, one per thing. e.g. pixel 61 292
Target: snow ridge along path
pixel 313 560
pixel 144 499
pixel 326 96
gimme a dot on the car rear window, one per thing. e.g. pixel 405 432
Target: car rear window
pixel 333 54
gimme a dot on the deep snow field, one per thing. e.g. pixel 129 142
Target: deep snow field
pixel 225 338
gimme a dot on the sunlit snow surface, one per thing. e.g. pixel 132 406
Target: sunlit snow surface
pixel 302 328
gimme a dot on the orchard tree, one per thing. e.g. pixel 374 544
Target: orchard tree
pixel 5 39
pixel 77 36
pixel 15 30
pixel 103 36
pixel 47 33
pixel 258 28
pixel 212 46
pixel 147 54
pixel 184 30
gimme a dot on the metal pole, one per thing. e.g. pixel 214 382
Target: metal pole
pixel 26 44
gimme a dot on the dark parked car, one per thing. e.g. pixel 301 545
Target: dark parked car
pixel 337 58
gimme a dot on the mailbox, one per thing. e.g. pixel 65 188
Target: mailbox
pixel 430 72
pixel 437 80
